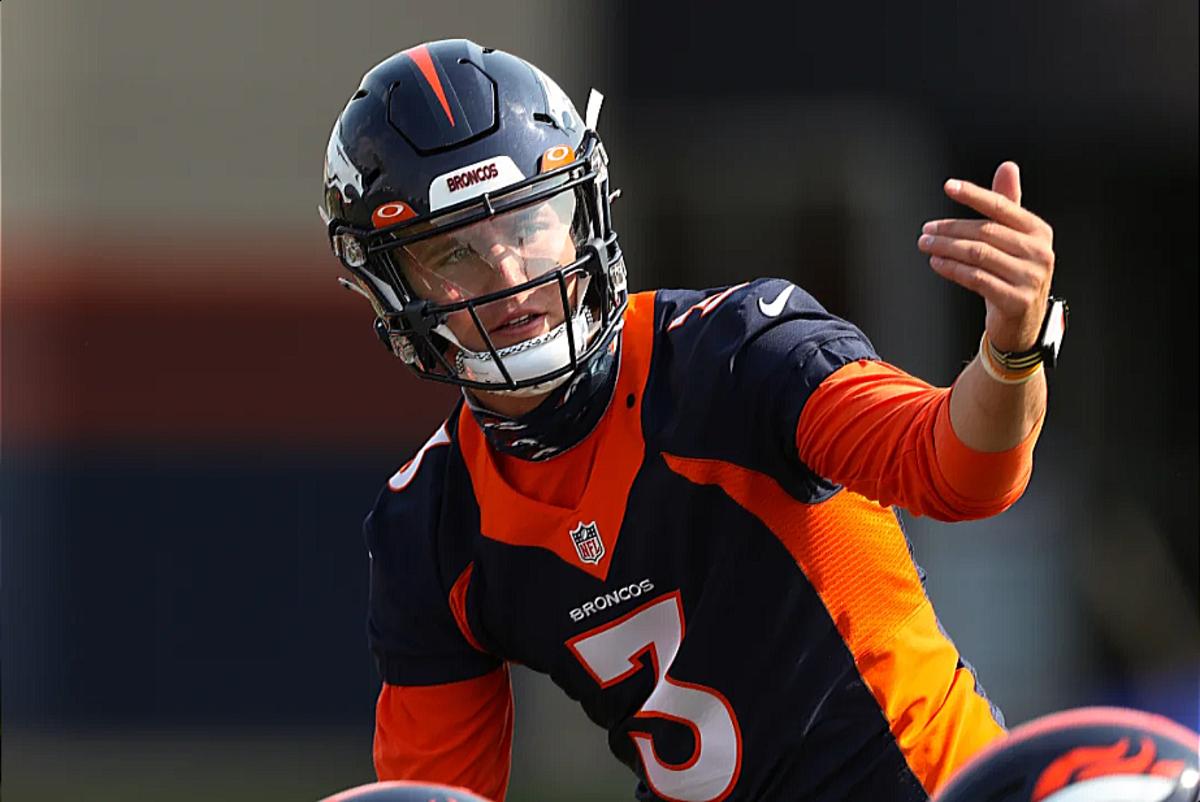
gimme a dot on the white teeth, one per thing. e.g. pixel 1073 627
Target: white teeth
pixel 518 321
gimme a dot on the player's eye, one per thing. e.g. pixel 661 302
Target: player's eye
pixel 534 227
pixel 529 232
pixel 457 255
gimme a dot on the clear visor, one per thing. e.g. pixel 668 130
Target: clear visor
pixel 498 253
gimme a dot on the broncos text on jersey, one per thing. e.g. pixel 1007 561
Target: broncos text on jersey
pixel 741 627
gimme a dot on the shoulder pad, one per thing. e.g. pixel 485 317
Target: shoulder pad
pixel 734 367
pixel 403 477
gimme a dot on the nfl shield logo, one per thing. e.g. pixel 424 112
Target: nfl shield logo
pixel 588 544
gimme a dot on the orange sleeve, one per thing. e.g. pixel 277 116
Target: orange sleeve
pixel 886 435
pixel 459 733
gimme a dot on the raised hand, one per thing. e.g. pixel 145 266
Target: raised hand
pixel 1007 258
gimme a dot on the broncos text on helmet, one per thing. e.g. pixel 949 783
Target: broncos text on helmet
pixel 471 204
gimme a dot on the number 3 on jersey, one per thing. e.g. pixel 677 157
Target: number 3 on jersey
pixel 612 653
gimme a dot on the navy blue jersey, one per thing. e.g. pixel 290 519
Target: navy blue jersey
pixel 741 627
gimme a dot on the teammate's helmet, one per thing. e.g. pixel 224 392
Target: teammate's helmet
pixel 398 791
pixel 1095 754
pixel 450 165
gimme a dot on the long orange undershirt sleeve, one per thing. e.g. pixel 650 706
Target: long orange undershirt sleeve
pixel 458 734
pixel 886 435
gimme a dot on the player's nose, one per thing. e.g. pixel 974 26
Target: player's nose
pixel 509 266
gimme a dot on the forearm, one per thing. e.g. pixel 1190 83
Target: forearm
pixel 990 416
pixel 889 436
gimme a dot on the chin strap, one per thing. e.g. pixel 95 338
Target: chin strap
pixel 528 359
pixel 568 415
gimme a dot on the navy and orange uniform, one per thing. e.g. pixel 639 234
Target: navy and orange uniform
pixel 714 573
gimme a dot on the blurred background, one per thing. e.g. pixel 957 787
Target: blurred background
pixel 196 418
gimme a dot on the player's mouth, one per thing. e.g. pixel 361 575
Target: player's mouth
pixel 520 326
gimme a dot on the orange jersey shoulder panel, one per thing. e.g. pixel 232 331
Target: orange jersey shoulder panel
pixel 887 435
pixel 855 555
pixel 522 503
pixel 459 733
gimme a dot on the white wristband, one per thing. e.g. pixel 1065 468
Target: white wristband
pixel 985 360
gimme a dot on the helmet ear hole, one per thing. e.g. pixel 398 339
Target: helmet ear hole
pixel 350 250
pixel 399 345
pixel 403 348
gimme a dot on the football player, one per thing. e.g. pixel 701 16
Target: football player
pixel 677 504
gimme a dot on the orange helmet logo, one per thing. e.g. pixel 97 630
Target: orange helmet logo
pixel 391 213
pixel 556 156
pixel 1087 762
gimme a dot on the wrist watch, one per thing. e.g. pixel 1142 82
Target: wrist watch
pixel 1045 349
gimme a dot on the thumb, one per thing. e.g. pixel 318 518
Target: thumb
pixel 1007 181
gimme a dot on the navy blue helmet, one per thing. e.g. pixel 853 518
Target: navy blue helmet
pixel 1095 754
pixel 470 202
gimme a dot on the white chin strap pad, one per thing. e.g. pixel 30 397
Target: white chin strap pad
pixel 528 359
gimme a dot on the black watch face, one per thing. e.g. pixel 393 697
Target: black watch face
pixel 1056 328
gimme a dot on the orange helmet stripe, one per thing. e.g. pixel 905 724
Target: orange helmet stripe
pixel 420 56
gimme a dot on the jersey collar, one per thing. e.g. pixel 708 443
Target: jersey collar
pixel 508 516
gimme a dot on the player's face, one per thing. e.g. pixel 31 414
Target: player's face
pixel 493 255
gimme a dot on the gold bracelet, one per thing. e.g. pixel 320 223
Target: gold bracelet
pixel 998 371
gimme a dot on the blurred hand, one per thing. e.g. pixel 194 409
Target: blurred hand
pixel 1007 258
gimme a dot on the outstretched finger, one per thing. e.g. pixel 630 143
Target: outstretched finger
pixel 991 287
pixel 977 254
pixel 995 206
pixel 1009 240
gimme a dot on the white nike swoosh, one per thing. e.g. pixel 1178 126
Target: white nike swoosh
pixel 405 475
pixel 775 307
